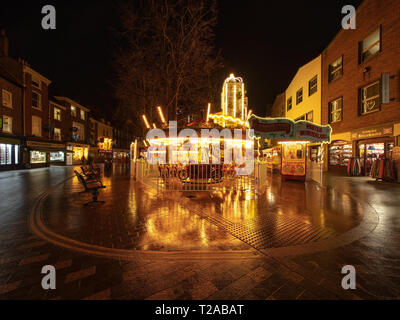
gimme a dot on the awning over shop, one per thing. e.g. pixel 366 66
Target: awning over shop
pixel 287 130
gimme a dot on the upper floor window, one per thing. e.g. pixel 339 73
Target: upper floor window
pixel 335 69
pixel 36 82
pixel 370 46
pixel 36 126
pixel 300 118
pixel 7 124
pixel 313 86
pixel 299 96
pixel 82 114
pixel 57 114
pixel 310 116
pixel 57 134
pixel 369 98
pixel 6 98
pixel 73 111
pixel 289 104
pixel 36 100
pixel 335 110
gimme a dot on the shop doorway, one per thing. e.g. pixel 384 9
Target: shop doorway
pixel 371 151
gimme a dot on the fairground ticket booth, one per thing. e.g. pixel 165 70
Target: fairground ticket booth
pixel 293 138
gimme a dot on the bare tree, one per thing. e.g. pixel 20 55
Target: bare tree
pixel 166 57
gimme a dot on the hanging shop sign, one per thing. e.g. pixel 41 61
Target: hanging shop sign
pixel 288 130
pixel 373 133
pixel 385 82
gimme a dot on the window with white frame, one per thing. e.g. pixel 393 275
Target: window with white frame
pixel 370 98
pixel 299 96
pixel 289 104
pixel 6 98
pixel 7 124
pixel 335 69
pixel 73 111
pixel 57 134
pixel 79 131
pixel 35 82
pixel 36 126
pixel 313 85
pixel 57 114
pixel 336 110
pixel 36 100
pixel 370 46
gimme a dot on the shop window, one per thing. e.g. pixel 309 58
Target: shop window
pixel 7 124
pixel 335 110
pixel 57 114
pixel 57 156
pixel 340 155
pixel 369 98
pixel 73 111
pixel 82 114
pixel 6 154
pixel 299 96
pixel 36 100
pixel 57 134
pixel 6 98
pixel 36 126
pixel 38 157
pixel 370 46
pixel 289 104
pixel 335 69
pixel 16 153
pixel 313 86
pixel 80 152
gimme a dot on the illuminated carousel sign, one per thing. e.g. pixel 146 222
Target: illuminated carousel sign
pixel 288 130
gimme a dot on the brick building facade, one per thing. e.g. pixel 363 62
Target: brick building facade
pixel 360 86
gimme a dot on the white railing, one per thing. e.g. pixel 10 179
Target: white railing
pixel 198 177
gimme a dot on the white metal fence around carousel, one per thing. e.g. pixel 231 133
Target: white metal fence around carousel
pixel 199 177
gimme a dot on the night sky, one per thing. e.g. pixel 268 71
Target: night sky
pixel 265 42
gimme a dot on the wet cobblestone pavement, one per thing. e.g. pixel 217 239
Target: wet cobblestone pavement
pixel 196 252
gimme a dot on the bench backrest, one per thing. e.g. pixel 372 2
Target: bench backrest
pixel 81 179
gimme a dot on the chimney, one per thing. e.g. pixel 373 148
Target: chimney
pixel 3 44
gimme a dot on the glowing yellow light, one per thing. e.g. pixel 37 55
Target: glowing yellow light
pixel 226 118
pixel 161 114
pixel 234 100
pixel 249 114
pixel 231 76
pixel 243 115
pixel 208 111
pixel 154 125
pixel 145 121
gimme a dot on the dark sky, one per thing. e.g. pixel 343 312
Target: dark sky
pixel 263 41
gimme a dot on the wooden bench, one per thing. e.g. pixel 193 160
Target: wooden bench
pixel 90 174
pixel 91 186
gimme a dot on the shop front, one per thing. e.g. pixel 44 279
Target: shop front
pixel 80 152
pixel 10 153
pixel 43 154
pixel 120 155
pixel 340 153
pixel 372 144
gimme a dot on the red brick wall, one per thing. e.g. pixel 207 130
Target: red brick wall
pixel 16 111
pixel 370 15
pixel 29 111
